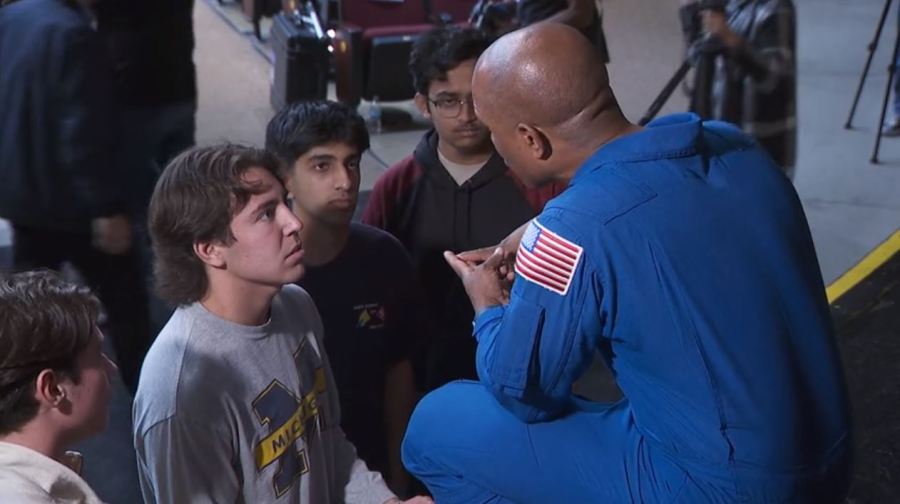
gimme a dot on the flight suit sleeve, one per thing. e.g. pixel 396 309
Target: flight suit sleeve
pixel 532 350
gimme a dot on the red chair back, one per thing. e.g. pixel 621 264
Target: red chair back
pixel 459 10
pixel 376 13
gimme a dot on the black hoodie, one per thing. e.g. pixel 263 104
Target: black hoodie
pixel 421 204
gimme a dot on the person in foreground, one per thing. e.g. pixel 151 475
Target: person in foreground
pixel 682 253
pixel 237 402
pixel 54 387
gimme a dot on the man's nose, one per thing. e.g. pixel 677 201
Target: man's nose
pixel 291 223
pixel 467 112
pixel 343 179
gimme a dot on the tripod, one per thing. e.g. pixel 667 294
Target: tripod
pixel 700 56
pixel 892 69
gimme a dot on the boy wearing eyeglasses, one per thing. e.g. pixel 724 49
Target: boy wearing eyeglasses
pixel 453 193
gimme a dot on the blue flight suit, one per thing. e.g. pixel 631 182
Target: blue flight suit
pixel 682 254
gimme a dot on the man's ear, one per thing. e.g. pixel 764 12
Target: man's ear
pixel 422 105
pixel 48 389
pixel 535 141
pixel 210 253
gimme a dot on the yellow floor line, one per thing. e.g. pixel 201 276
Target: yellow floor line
pixel 864 267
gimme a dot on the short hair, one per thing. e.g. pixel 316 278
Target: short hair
pixel 46 323
pixel 301 126
pixel 194 201
pixel 438 51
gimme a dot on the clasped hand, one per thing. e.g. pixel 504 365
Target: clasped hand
pixel 487 278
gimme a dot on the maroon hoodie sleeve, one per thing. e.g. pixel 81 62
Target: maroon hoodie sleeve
pixel 375 213
pixel 390 193
pixel 539 197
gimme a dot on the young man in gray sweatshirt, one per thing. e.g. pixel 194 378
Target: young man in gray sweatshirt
pixel 237 401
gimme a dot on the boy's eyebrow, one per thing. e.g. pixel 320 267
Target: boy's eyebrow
pixel 322 157
pixel 269 202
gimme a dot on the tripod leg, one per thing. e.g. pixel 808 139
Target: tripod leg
pixel 892 70
pixel 666 93
pixel 862 78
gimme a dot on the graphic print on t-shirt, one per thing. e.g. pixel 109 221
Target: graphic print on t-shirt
pixel 290 418
pixel 369 316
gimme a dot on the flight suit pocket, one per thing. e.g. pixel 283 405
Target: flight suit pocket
pixel 519 347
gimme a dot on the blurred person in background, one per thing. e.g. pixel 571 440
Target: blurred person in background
pixel 751 68
pixel 60 186
pixel 151 45
pixel 891 127
pixel 585 16
pixel 499 17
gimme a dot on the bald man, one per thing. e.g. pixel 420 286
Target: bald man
pixel 682 254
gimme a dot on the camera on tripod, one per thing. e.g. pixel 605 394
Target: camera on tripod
pixel 700 56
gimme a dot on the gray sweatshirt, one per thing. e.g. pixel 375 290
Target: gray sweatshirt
pixel 230 413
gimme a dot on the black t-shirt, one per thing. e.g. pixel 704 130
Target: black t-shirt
pixel 532 11
pixel 366 298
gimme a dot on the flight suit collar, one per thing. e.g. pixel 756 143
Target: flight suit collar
pixel 672 136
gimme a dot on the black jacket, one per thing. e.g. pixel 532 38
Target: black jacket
pixel 151 45
pixel 56 118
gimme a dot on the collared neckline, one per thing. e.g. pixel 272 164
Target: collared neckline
pixel 672 136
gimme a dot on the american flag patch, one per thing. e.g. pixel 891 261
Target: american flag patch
pixel 547 259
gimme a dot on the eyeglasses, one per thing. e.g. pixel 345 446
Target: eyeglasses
pixel 450 108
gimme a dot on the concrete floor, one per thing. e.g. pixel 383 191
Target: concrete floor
pixel 851 204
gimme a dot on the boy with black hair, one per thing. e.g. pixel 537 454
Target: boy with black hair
pixel 54 387
pixel 360 278
pixel 237 402
pixel 453 193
